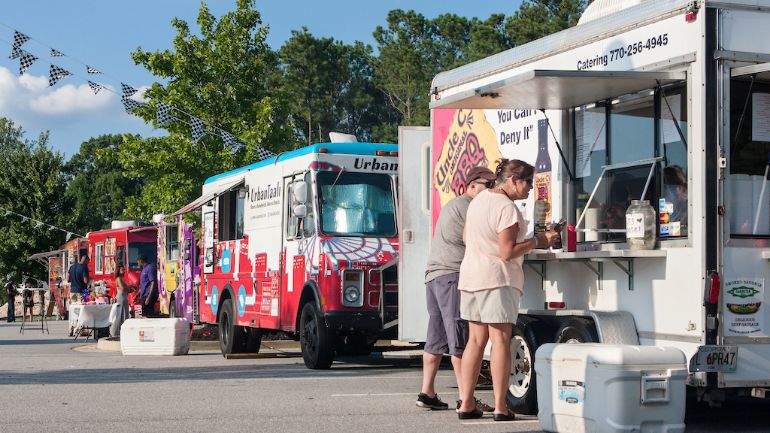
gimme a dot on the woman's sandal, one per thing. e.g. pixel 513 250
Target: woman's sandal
pixel 476 413
pixel 510 416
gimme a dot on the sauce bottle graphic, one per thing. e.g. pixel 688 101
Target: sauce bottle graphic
pixel 542 180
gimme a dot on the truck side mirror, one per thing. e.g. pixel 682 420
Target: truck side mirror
pixel 300 211
pixel 299 191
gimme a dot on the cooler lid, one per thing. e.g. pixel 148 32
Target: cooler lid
pixel 611 354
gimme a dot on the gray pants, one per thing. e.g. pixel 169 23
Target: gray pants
pixel 447 332
pixel 120 318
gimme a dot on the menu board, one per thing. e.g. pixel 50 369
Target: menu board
pixel 591 137
pixel 760 117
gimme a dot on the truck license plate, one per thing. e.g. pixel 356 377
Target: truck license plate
pixel 722 359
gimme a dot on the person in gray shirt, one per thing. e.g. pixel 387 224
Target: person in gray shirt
pixel 447 332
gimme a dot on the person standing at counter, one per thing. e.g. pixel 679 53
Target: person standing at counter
pixel 148 284
pixel 10 292
pixel 447 332
pixel 78 278
pixel 492 281
pixel 121 301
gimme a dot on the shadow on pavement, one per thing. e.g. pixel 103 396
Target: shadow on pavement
pixel 745 415
pixel 219 372
pixel 32 342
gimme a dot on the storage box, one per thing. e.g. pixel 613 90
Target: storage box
pixel 155 337
pixel 602 388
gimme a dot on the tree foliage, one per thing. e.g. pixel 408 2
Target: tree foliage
pixel 97 185
pixel 33 185
pixel 226 76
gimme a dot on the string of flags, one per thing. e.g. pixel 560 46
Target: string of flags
pixel 38 224
pixel 165 114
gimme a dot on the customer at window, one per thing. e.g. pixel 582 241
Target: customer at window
pixel 492 281
pixel 121 300
pixel 675 191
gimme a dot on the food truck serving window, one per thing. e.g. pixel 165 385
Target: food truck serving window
pixel 617 144
pixel 146 249
pixel 747 191
pixel 231 215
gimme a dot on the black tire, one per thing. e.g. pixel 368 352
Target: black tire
pixel 231 337
pixel 253 340
pixel 577 330
pixel 527 336
pixel 316 341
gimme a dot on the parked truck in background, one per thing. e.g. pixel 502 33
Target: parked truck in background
pixel 306 243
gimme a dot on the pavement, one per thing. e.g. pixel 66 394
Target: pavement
pixel 50 383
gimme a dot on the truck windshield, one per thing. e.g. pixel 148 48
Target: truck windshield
pixel 136 249
pixel 358 204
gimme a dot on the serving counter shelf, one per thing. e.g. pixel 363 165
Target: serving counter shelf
pixel 593 260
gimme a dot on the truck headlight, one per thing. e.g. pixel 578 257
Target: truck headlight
pixel 352 294
pixel 352 288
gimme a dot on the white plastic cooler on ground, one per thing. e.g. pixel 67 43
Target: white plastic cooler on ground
pixel 602 388
pixel 155 337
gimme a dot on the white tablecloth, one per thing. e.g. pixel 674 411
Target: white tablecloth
pixel 93 315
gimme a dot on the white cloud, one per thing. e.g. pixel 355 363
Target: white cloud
pixel 70 99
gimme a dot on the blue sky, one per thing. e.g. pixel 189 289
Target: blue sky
pixel 103 33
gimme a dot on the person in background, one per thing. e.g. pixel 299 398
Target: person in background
pixel 492 281
pixel 28 300
pixel 148 286
pixel 121 300
pixel 675 191
pixel 447 332
pixel 79 279
pixel 10 292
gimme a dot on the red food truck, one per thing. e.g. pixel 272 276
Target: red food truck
pixel 123 244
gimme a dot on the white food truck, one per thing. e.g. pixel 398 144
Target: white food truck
pixel 665 100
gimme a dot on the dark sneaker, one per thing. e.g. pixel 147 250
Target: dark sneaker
pixel 432 403
pixel 480 405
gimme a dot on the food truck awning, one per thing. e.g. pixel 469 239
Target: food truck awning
pixel 556 89
pixel 45 255
pixel 759 71
pixel 211 195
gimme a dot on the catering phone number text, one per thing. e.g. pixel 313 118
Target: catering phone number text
pixel 622 52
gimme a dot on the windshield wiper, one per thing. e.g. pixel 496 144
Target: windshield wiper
pixel 338 176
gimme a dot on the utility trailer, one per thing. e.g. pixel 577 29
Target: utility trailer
pixel 667 100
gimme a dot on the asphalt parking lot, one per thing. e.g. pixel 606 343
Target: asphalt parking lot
pixel 50 383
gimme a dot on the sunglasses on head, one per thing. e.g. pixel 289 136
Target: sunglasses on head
pixel 486 183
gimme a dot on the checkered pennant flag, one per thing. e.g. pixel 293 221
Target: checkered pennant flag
pixel 96 87
pixel 263 153
pixel 130 105
pixel 230 139
pixel 56 53
pixel 128 91
pixel 198 128
pixel 163 114
pixel 16 52
pixel 55 74
pixel 25 61
pixel 91 70
pixel 19 39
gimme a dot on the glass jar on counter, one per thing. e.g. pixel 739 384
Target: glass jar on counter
pixel 640 225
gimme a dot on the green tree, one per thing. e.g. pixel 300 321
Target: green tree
pixel 32 185
pixel 97 186
pixel 329 87
pixel 538 18
pixel 225 74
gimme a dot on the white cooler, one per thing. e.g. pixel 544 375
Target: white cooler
pixel 602 388
pixel 155 337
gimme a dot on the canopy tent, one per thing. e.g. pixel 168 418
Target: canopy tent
pixel 556 89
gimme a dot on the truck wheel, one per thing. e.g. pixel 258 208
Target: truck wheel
pixel 522 389
pixel 253 340
pixel 231 337
pixel 577 330
pixel 315 340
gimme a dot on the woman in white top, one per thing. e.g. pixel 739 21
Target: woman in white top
pixel 492 280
